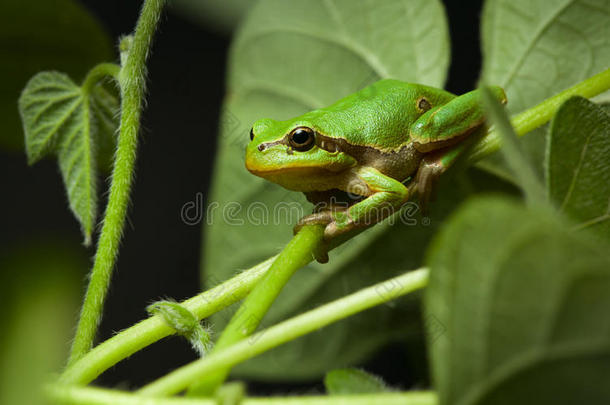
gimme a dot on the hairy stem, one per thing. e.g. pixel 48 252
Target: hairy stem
pixel 251 312
pixel 132 79
pixel 286 331
pixel 148 331
pixel 71 395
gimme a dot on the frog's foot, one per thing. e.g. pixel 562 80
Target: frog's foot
pixel 336 222
pixel 317 218
pixel 342 223
pixel 324 217
pixel 430 169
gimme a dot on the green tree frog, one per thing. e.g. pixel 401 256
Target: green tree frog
pixel 383 143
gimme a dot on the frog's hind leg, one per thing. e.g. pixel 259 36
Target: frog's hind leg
pixel 431 167
pixel 443 133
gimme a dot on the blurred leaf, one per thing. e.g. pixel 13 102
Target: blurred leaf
pixel 39 285
pixel 512 150
pixel 231 393
pixel 224 15
pixel 578 168
pixel 353 381
pixel 524 303
pixel 59 117
pixel 43 35
pixel 535 49
pixel 288 58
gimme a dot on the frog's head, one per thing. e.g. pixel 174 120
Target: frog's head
pixel 294 154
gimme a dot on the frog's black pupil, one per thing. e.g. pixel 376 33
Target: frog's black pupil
pixel 300 136
pixel 424 104
pixel 252 134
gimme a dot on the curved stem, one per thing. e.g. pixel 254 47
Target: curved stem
pixel 71 395
pixel 132 83
pixel 148 331
pixel 251 312
pixel 98 73
pixel 286 331
pixel 540 114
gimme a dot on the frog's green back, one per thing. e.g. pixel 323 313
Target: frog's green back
pixel 378 116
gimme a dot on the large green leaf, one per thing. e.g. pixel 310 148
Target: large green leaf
pixel 578 168
pixel 288 58
pixel 60 117
pixel 38 35
pixel 535 49
pixel 524 302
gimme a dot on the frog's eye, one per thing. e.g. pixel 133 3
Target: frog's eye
pixel 423 104
pixel 302 138
pixel 252 133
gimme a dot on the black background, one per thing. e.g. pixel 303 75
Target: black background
pixel 159 256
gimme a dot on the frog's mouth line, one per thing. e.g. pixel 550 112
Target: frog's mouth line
pixel 301 170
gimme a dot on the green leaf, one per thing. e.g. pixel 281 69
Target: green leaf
pixel 536 49
pixel 184 323
pixel 288 58
pixel 578 168
pixel 512 150
pixel 524 302
pixel 353 381
pixel 105 112
pixel 60 118
pixel 41 35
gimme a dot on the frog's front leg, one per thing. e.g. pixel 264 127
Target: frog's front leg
pixel 440 134
pixel 384 196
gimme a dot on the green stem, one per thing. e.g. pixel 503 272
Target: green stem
pixel 251 312
pixel 148 331
pixel 132 83
pixel 540 114
pixel 286 331
pixel 71 395
pixel 98 73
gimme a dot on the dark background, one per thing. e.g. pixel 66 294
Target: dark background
pixel 159 256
